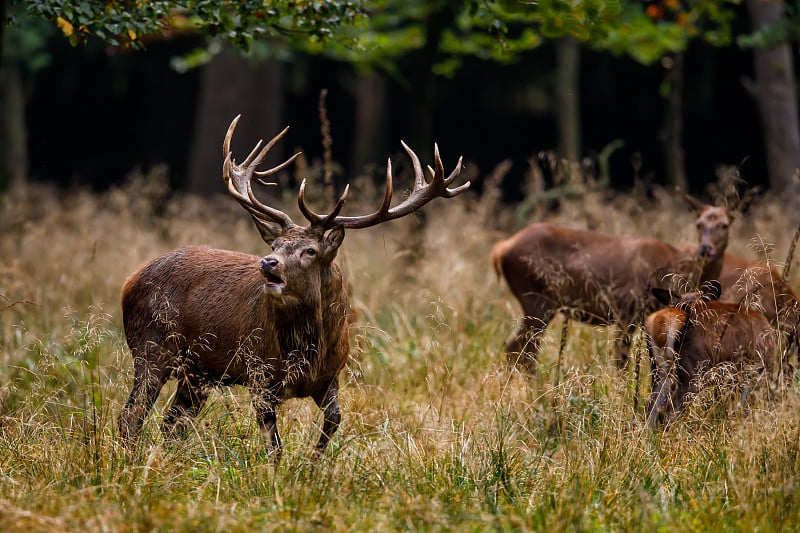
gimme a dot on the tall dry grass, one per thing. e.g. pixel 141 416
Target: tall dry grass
pixel 437 433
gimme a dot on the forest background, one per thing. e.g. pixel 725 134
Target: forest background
pixel 640 93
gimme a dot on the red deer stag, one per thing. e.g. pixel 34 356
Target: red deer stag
pixel 598 278
pixel 278 324
pixel 695 334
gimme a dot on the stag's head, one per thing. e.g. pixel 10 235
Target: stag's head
pixel 302 256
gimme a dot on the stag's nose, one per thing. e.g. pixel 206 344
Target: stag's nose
pixel 268 265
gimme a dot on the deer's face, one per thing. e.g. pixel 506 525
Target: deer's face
pixel 294 268
pixel 712 232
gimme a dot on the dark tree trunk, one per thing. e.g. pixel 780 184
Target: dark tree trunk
pixel 568 112
pixel 3 15
pixel 13 133
pixel 422 88
pixel 776 97
pixel 369 140
pixel 673 129
pixel 230 85
pixel 423 99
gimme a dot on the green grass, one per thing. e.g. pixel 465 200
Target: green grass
pixel 437 433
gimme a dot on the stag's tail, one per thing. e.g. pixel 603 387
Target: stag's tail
pixel 496 256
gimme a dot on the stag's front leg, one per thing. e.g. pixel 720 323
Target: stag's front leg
pixel 328 401
pixel 264 403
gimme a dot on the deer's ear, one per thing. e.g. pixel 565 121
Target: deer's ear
pixel 711 290
pixel 694 204
pixel 332 241
pixel 664 296
pixel 268 232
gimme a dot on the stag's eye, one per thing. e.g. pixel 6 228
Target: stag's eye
pixel 724 226
pixel 311 252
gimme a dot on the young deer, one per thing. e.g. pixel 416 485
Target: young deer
pixel 696 333
pixel 278 325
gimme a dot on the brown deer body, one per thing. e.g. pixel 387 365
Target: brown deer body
pixel 695 334
pixel 598 278
pixel 278 325
pixel 758 284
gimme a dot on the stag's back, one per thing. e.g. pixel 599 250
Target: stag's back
pixel 198 299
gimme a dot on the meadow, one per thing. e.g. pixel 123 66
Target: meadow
pixel 438 432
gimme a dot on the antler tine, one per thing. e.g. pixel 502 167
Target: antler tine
pixel 239 178
pixel 419 177
pixel 422 193
pixel 449 193
pixel 325 221
pixel 226 143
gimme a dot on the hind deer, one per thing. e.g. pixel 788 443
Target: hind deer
pixel 278 324
pixel 599 278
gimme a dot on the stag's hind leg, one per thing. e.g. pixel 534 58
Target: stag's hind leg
pixel 148 379
pixel 190 396
pixel 523 349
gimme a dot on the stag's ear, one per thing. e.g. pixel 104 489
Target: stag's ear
pixel 269 232
pixel 664 296
pixel 711 290
pixel 332 241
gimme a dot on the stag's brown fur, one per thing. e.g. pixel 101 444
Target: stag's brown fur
pixel 697 334
pixel 203 316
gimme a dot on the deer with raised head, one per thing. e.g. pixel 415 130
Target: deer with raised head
pixel 599 278
pixel 753 283
pixel 694 334
pixel 278 324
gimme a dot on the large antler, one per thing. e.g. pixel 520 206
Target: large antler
pixel 239 178
pixel 422 193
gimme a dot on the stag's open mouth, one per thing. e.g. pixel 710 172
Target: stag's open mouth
pixel 274 285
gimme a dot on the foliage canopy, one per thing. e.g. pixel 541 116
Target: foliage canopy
pixel 379 31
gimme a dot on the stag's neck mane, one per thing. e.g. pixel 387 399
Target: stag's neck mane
pixel 300 338
pixel 307 330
